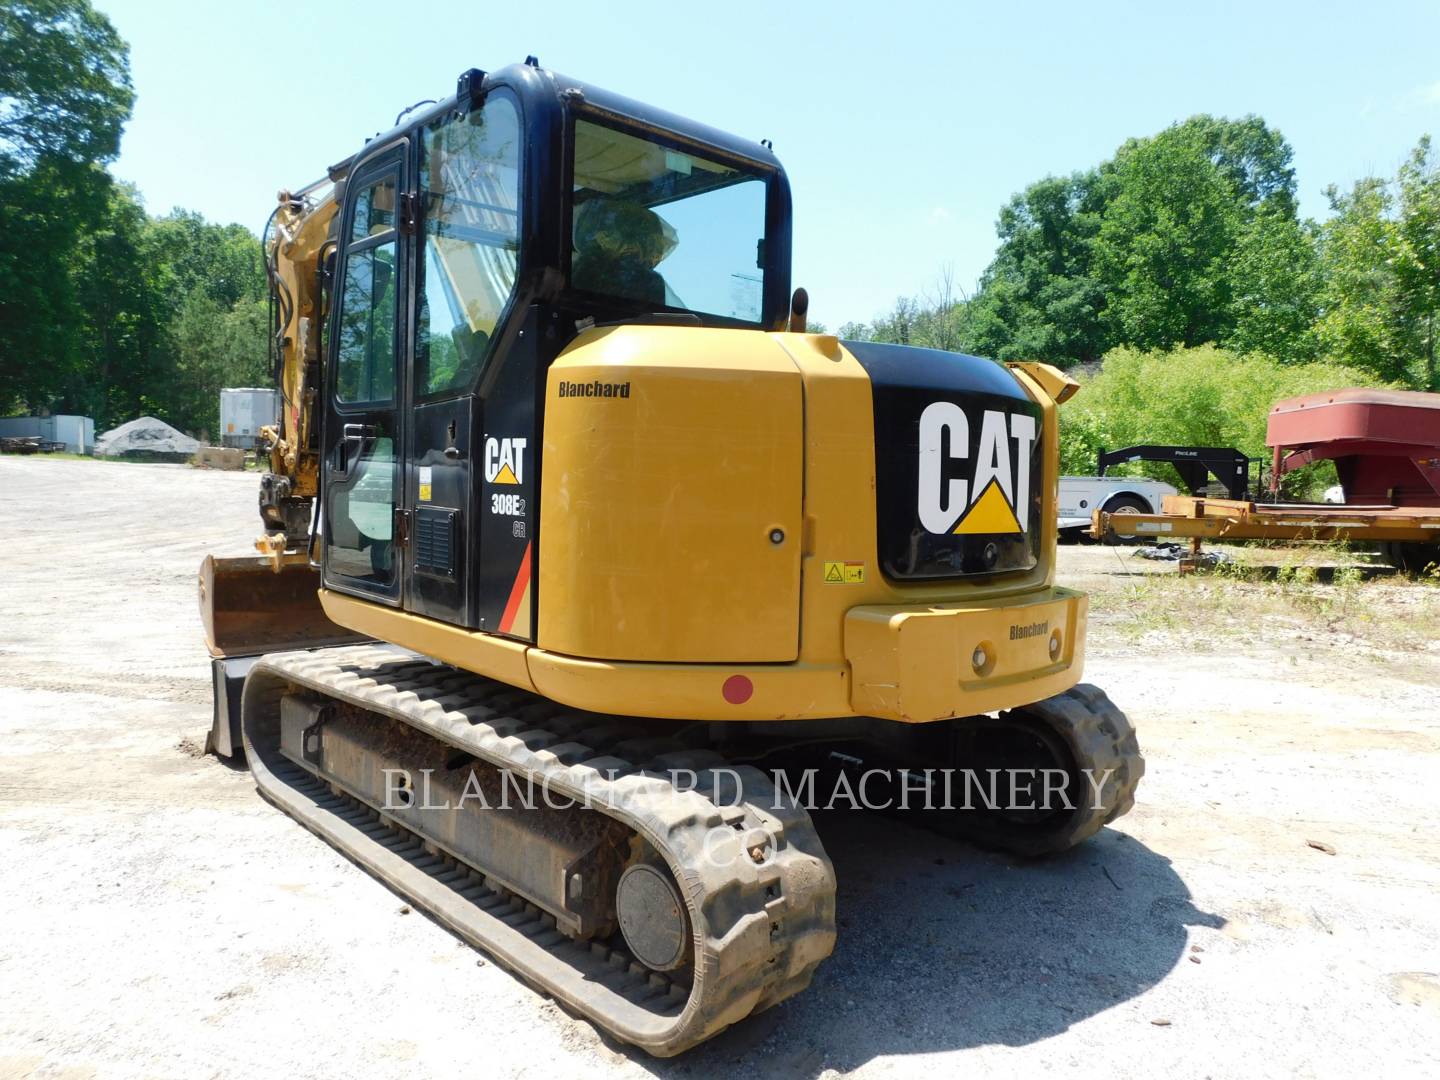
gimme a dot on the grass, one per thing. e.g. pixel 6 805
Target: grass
pixel 1324 594
pixel 63 455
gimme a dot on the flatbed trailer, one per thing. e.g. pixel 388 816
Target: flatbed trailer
pixel 1237 519
pixel 1407 535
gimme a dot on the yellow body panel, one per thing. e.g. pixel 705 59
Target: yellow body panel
pixel 670 516
pixel 486 654
pixel 908 664
pixel 693 691
pixel 919 663
pixel 659 580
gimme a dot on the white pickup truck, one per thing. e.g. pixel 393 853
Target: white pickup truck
pixel 1081 496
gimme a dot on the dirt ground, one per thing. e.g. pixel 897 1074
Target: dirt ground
pixel 1268 909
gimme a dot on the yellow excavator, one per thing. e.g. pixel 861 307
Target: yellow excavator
pixel 587 571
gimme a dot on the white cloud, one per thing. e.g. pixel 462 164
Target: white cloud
pixel 939 213
pixel 1427 95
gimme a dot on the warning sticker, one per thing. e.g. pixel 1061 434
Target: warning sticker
pixel 425 484
pixel 844 573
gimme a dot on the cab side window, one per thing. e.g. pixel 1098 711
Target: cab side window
pixel 470 187
pixel 365 367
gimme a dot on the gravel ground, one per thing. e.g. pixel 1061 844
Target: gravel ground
pixel 160 920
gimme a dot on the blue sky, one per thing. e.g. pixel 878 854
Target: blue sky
pixel 904 126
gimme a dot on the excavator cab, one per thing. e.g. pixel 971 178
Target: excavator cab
pixel 473 245
pixel 455 257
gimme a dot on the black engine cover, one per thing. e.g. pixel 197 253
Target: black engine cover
pixel 958 464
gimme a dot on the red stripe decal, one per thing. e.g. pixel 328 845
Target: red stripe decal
pixel 512 607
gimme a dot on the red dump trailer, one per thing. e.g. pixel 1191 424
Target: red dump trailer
pixel 1385 443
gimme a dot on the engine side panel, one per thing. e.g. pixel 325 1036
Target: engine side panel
pixel 671 525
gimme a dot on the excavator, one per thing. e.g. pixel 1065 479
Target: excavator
pixel 583 559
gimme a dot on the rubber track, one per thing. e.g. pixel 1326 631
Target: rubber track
pixel 760 930
pixel 1102 739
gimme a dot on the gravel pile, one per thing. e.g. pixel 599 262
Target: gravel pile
pixel 146 437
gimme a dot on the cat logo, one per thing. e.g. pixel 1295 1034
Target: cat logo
pixel 505 461
pixel 999 482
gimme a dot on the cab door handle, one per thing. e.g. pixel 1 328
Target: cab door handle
pixel 350 448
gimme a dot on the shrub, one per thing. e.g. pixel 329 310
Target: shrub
pixel 1202 396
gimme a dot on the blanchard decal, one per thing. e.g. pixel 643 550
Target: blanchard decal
pixel 988 494
pixel 594 389
pixel 1020 632
pixel 505 460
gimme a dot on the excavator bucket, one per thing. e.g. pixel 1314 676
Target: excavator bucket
pixel 248 607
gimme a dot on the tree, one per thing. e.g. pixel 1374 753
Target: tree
pixel 1254 157
pixel 65 94
pixel 1164 243
pixel 172 310
pixel 223 261
pixel 215 347
pixel 1380 260
pixel 1416 265
pixel 938 319
pixel 1274 282
pixel 65 88
pixel 1186 236
pixel 122 286
pixel 1040 299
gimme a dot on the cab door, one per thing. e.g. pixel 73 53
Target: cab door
pixel 363 479
pixel 473 397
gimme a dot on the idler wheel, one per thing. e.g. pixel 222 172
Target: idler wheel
pixel 653 917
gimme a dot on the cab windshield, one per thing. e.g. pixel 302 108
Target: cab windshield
pixel 666 228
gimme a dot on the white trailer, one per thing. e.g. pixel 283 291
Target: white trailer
pixel 244 410
pixel 1081 496
pixel 76 432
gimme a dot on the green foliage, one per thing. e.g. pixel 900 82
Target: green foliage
pixel 1041 298
pixel 940 321
pixel 212 280
pixel 223 262
pixel 1252 156
pixel 1164 243
pixel 1203 396
pixel 216 347
pixel 64 86
pixel 166 312
pixel 117 373
pixel 1380 261
pixel 1274 287
pixel 1184 237
pixel 105 311
pixel 1417 259
pixel 1191 237
pixel 64 96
